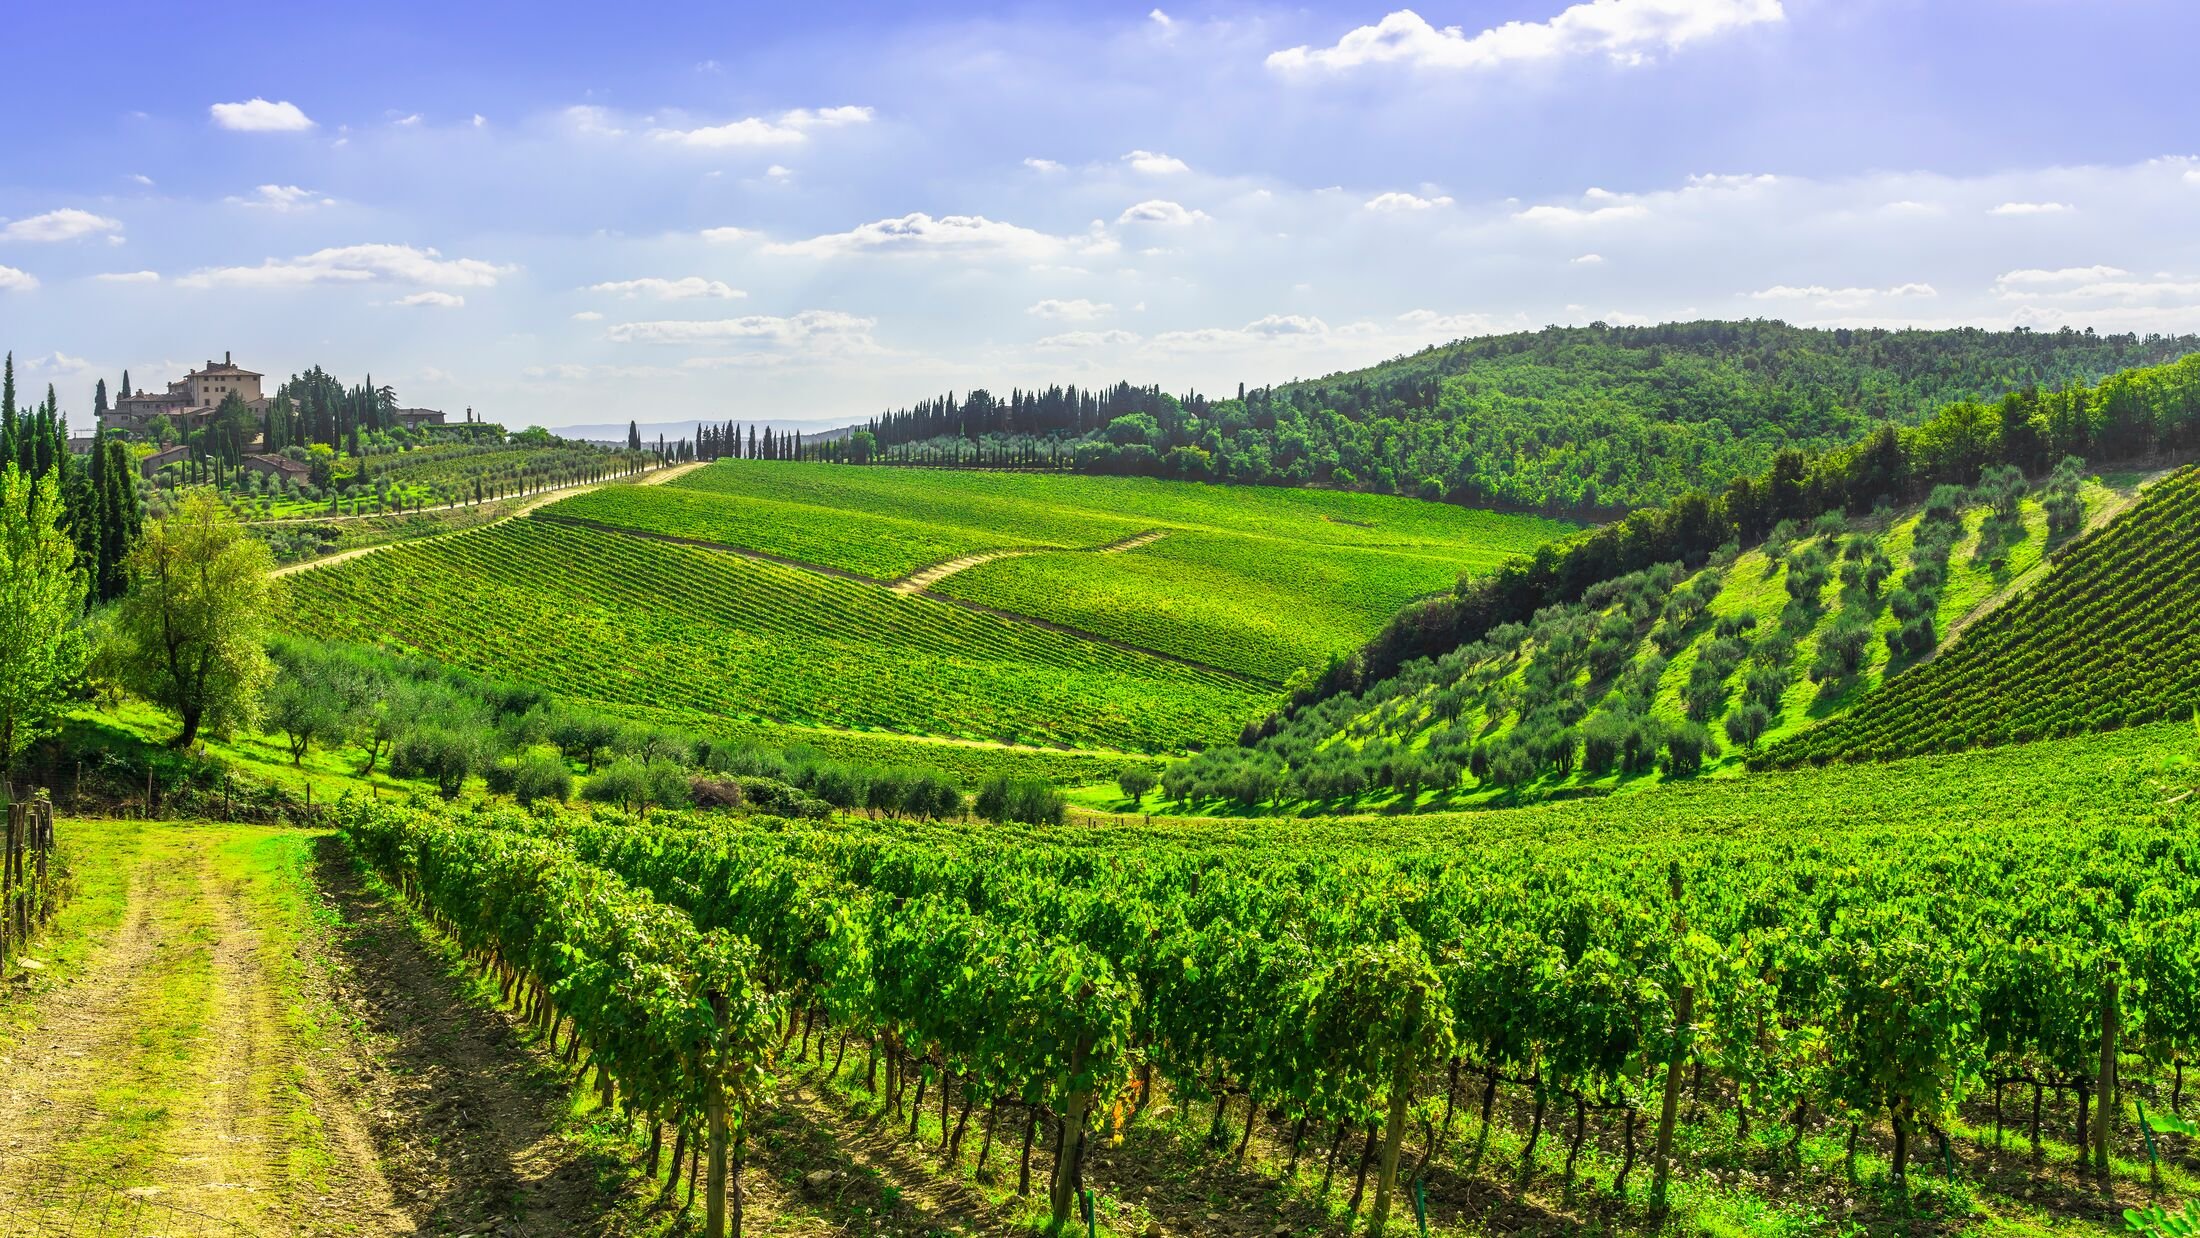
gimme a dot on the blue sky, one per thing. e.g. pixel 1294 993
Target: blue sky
pixel 562 213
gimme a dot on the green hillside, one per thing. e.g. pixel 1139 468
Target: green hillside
pixel 1664 673
pixel 1261 581
pixel 1562 419
pixel 2110 637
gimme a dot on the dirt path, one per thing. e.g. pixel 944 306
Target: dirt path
pixel 166 1083
pixel 926 577
pixel 533 504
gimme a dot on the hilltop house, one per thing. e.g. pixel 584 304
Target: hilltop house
pixel 187 404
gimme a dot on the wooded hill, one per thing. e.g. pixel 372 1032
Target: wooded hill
pixel 1567 419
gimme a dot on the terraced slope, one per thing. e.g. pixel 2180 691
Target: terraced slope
pixel 630 621
pixel 2110 638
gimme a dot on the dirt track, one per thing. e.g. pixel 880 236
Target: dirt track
pixel 533 504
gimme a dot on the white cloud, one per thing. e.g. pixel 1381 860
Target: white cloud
pixel 919 233
pixel 128 277
pixel 1910 207
pixel 66 224
pixel 408 121
pixel 141 178
pixel 354 264
pixel 1395 201
pixel 779 172
pixel 1043 166
pixel 1154 163
pixel 727 235
pixel 682 289
pixel 2063 275
pixel 806 327
pixel 284 198
pixel 588 316
pixel 257 115
pixel 1260 331
pixel 1157 211
pixel 1070 340
pixel 2032 208
pixel 1840 298
pixel 2127 292
pixel 1161 19
pixel 1079 310
pixel 433 300
pixel 1626 31
pixel 787 129
pixel 480 121
pixel 1569 215
pixel 1588 260
pixel 12 280
pixel 1726 180
pixel 589 120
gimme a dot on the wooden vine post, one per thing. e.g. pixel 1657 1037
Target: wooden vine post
pixel 1684 1012
pixel 2104 1124
pixel 714 1114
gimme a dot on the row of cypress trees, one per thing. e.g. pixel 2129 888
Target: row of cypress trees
pixel 101 511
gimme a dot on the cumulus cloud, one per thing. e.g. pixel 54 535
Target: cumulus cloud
pixel 347 264
pixel 1569 215
pixel 66 224
pixel 13 280
pixel 1157 211
pixel 257 115
pixel 1625 31
pixel 1588 260
pixel 1045 166
pixel 806 328
pixel 283 198
pixel 1392 202
pixel 141 178
pixel 432 300
pixel 588 120
pixel 1153 163
pixel 791 128
pixel 682 289
pixel 2031 276
pixel 919 233
pixel 2032 208
pixel 128 277
pixel 727 235
pixel 588 316
pixel 1072 340
pixel 1078 310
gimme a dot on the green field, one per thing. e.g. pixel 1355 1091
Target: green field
pixel 1259 580
pixel 623 620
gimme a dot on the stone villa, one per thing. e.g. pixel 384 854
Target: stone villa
pixel 188 404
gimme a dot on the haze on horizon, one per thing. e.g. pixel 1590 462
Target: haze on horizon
pixel 817 212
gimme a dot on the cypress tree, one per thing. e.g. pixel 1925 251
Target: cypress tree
pixel 7 409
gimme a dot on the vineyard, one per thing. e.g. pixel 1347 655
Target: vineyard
pixel 1261 581
pixel 1665 673
pixel 1682 1000
pixel 2110 638
pixel 627 621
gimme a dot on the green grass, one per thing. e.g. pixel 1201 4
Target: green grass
pixel 621 620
